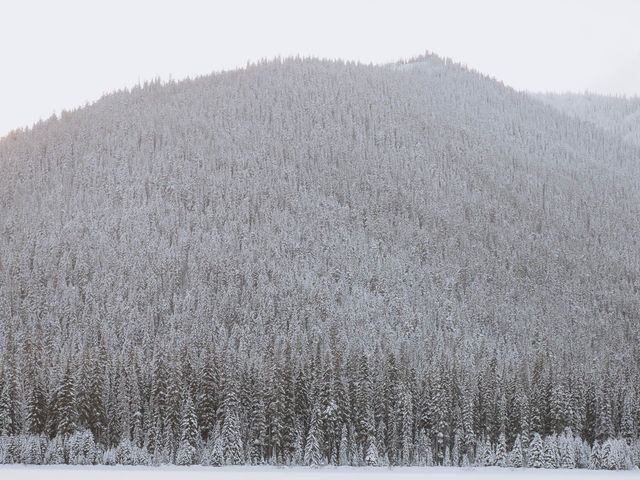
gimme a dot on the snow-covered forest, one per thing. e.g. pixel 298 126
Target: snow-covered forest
pixel 314 262
pixel 617 115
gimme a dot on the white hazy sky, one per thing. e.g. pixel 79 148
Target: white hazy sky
pixel 59 54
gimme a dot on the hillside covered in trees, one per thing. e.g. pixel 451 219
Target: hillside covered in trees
pixel 617 115
pixel 315 262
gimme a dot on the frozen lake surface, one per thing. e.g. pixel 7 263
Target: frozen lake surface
pixel 30 472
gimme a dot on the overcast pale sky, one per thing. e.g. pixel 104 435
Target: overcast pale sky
pixel 57 55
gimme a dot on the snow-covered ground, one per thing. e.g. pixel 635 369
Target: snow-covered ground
pixel 20 472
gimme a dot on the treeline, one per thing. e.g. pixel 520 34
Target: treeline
pixel 355 410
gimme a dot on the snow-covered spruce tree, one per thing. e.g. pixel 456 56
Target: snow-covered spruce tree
pixel 9 402
pixel 608 455
pixel 501 451
pixel 516 457
pixel 216 456
pixel 469 439
pixel 9 450
pixel 258 430
pixel 446 462
pixel 54 453
pixel 66 404
pixel 566 450
pixel 312 449
pixel 344 448
pixel 89 398
pixel 82 448
pixel 604 425
pixel 36 414
pixel 429 461
pixel 232 440
pixel 536 456
pixel 371 458
pixel 615 455
pixel 381 445
pixel 421 448
pixel 124 454
pixel 33 448
pixel 207 404
pixel 595 461
pixel 583 453
pixel 488 456
pixel 455 451
pixel 355 450
pixel 627 423
pixel 186 454
pixel 406 413
pixel 550 457
pixel 298 448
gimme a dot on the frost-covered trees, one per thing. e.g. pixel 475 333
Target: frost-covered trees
pixel 186 454
pixel 501 451
pixel 371 458
pixel 65 406
pixel 536 457
pixel 516 457
pixel 368 256
pixel 312 450
pixel 550 455
pixel 232 440
pixel 82 448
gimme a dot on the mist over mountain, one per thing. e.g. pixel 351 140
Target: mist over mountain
pixel 316 256
pixel 617 115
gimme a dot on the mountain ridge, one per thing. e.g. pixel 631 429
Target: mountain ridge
pixel 337 223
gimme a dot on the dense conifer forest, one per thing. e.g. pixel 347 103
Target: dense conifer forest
pixel 317 262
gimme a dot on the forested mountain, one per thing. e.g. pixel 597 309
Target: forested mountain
pixel 617 115
pixel 307 261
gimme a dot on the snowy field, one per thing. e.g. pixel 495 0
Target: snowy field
pixel 22 472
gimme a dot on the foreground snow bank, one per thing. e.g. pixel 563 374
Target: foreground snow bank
pixel 48 472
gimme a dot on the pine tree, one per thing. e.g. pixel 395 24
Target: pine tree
pixel 501 451
pixel 516 458
pixel 488 457
pixel 429 456
pixel 583 453
pixel 216 457
pixel 90 409
pixel 604 428
pixel 312 455
pixel 627 423
pixel 232 439
pixel 9 403
pixel 595 459
pixel 566 449
pixel 421 448
pixel 54 453
pixel 550 457
pixel 344 449
pixel 207 398
pixel 66 405
pixel 455 452
pixel 82 448
pixel 536 457
pixel 186 454
pixel 33 450
pixel 469 439
pixel 406 412
pixel 258 431
pixel 371 458
pixel 36 415
pixel 447 457
pixel 298 448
